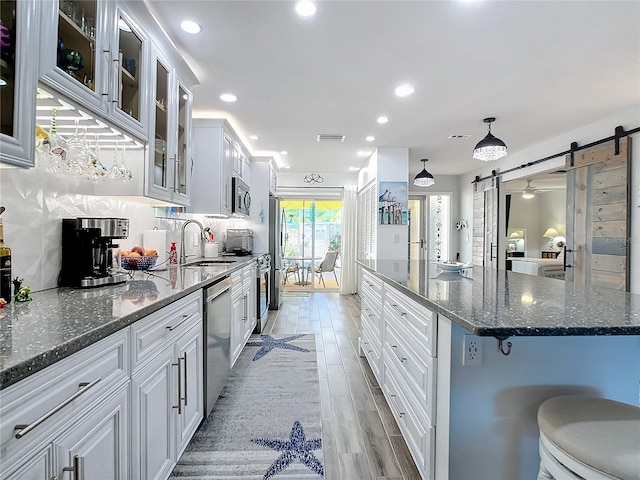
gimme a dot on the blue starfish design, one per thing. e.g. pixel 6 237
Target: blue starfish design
pixel 268 343
pixel 298 447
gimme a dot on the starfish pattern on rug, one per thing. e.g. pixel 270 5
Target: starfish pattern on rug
pixel 268 343
pixel 297 447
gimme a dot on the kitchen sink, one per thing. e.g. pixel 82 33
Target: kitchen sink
pixel 205 263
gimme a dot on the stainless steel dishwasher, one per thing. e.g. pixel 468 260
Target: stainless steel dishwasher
pixel 217 334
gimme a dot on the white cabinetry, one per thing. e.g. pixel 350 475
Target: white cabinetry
pixel 19 71
pixel 218 156
pixel 243 315
pixel 273 180
pixel 398 338
pixel 96 53
pixel 371 322
pixel 167 384
pixel 74 412
pixel 170 163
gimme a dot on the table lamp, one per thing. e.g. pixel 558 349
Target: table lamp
pixel 550 233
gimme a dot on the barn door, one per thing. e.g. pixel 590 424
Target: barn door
pixel 598 216
pixel 485 223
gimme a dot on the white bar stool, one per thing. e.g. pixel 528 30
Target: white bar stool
pixel 588 438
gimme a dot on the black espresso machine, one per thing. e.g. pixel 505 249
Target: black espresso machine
pixel 87 251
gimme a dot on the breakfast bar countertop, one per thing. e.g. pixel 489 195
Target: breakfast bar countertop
pixel 502 303
pixel 61 321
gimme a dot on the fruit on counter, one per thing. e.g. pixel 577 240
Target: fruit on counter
pixel 139 252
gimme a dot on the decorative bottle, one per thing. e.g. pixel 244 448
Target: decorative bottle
pixel 5 268
pixel 173 254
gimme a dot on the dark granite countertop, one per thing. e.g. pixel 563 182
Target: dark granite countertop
pixel 61 321
pixel 503 303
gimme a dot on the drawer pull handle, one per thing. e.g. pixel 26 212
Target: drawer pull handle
pixel 184 319
pixel 24 429
pixel 77 468
pixel 395 350
pixel 402 314
pixel 395 405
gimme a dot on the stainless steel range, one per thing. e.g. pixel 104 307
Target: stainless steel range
pixel 262 290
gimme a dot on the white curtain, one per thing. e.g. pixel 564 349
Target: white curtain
pixel 348 274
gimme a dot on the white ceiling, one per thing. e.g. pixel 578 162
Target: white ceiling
pixel 541 67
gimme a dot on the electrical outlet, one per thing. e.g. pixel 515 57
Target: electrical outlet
pixel 472 350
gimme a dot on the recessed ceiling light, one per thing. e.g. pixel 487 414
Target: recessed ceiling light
pixel 190 26
pixel 254 137
pixel 305 8
pixel 370 138
pixel 382 120
pixel 284 152
pixel 405 90
pixel 354 169
pixel 228 97
pixel 287 167
pixel 362 153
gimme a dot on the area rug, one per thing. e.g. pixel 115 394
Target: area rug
pixel 301 293
pixel 267 421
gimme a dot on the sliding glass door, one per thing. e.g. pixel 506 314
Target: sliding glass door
pixel 313 237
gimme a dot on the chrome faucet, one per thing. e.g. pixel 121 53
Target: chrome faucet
pixel 183 256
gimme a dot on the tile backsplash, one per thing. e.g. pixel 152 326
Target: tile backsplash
pixel 37 200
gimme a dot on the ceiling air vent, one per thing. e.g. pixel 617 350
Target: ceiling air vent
pixel 460 136
pixel 330 137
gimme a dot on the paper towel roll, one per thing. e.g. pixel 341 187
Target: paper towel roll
pixel 156 240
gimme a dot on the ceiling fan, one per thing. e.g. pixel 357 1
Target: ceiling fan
pixel 530 192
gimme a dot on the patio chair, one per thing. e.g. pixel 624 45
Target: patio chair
pixel 291 268
pixel 327 265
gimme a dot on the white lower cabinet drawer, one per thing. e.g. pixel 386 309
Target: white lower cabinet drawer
pixel 372 350
pixel 417 319
pixel 161 328
pixel 417 432
pixel 36 408
pixel 418 371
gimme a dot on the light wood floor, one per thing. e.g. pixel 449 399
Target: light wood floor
pixel 361 439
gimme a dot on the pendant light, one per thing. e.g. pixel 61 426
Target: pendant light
pixel 490 148
pixel 424 178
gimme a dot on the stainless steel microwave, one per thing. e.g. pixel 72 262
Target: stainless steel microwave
pixel 241 197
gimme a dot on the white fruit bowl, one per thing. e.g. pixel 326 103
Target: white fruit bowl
pixel 453 267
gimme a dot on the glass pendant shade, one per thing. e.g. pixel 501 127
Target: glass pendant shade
pixel 490 148
pixel 424 178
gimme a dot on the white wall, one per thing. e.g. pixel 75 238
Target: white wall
pixel 36 201
pixel 629 119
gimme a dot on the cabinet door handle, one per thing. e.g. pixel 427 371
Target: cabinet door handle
pixel 397 309
pixel 395 350
pixel 226 202
pixel 395 405
pixel 116 96
pixel 108 57
pixel 186 382
pixel 179 406
pixel 24 429
pixel 77 468
pixel 176 162
pixel 184 319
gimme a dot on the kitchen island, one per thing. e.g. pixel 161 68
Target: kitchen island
pixel 464 359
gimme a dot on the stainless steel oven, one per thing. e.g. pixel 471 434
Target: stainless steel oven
pixel 263 268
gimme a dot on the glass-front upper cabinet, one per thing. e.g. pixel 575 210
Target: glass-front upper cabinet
pixel 169 169
pixel 18 81
pixel 93 51
pixel 160 152
pixel 183 162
